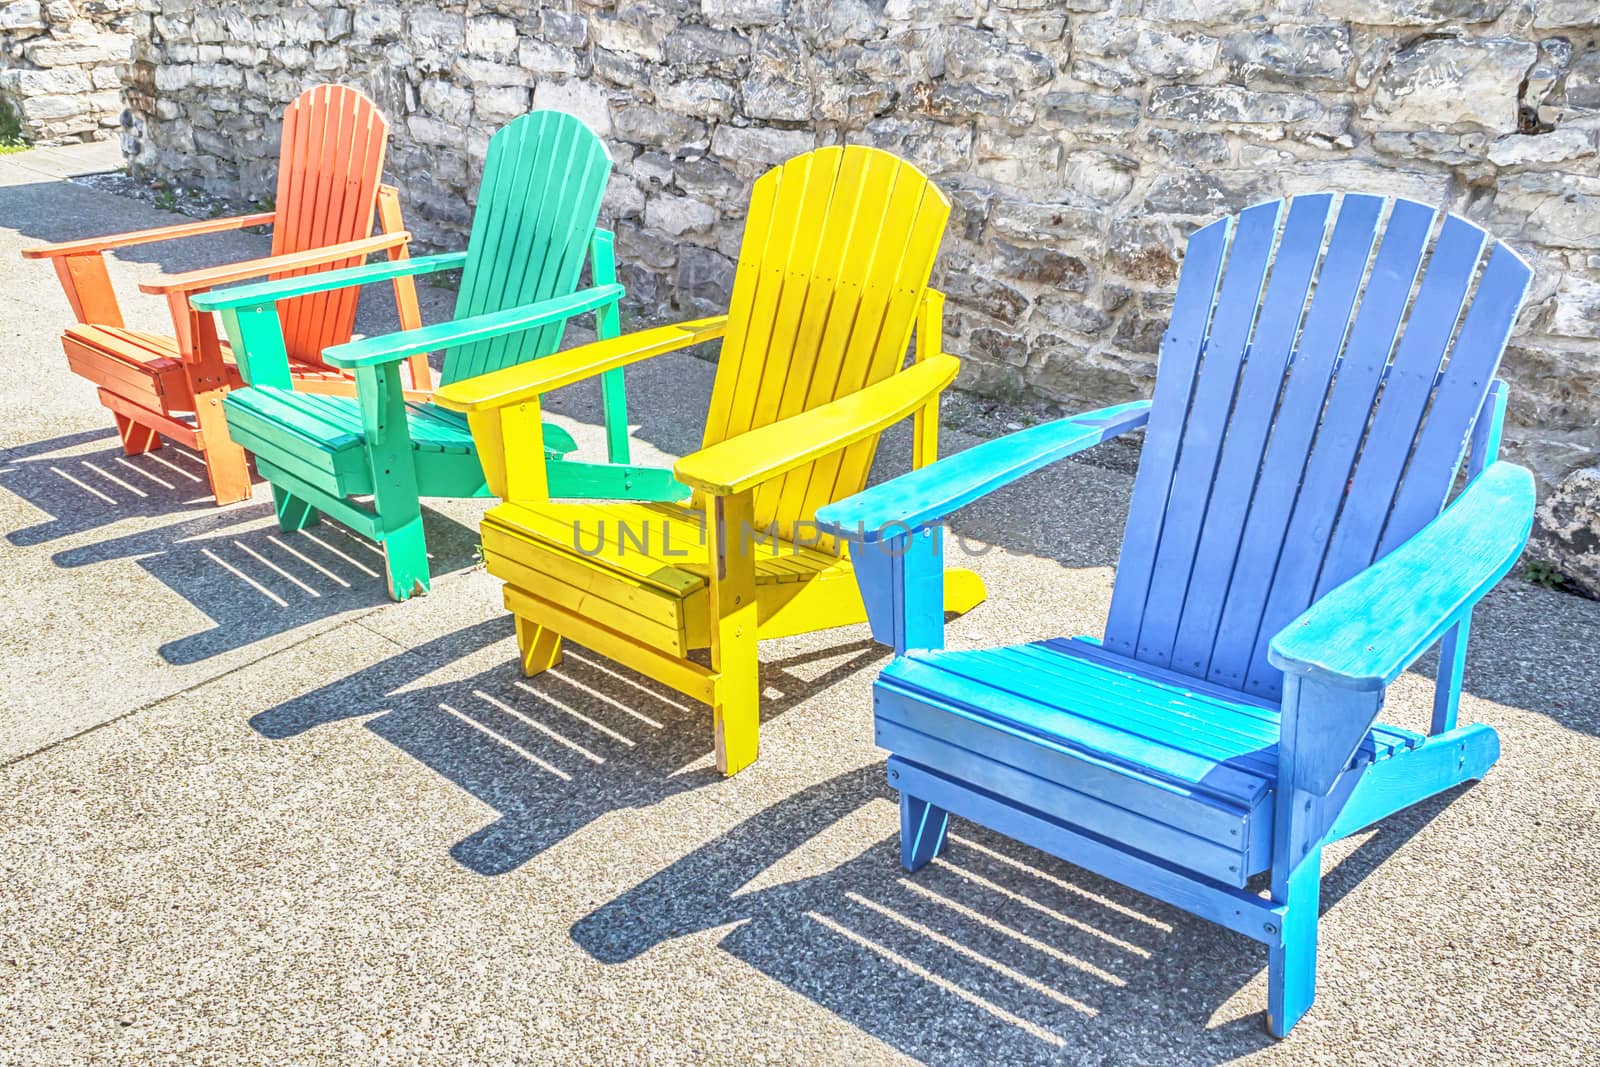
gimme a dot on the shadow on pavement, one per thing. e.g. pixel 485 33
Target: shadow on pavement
pixel 83 491
pixel 994 951
pixel 232 563
pixel 550 754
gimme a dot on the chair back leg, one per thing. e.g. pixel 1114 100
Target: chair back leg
pixel 540 646
pixel 923 829
pixel 293 513
pixel 137 438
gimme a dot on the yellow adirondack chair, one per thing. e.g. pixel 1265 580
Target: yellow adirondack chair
pixel 832 278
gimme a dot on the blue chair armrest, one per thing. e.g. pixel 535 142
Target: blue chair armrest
pixel 1363 633
pixel 399 345
pixel 925 496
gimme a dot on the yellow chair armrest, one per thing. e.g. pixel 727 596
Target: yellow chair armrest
pixel 759 455
pixel 528 381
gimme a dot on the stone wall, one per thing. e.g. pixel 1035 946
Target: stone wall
pixel 1081 140
pixel 61 68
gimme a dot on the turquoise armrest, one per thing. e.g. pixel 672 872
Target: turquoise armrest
pixel 254 295
pixel 371 351
pixel 924 496
pixel 1363 633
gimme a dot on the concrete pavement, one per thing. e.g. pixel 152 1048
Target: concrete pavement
pixel 250 810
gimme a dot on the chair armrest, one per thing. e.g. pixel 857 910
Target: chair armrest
pixel 371 351
pixel 205 278
pixel 1363 633
pixel 263 293
pixel 925 496
pixel 759 455
pixel 140 237
pixel 529 381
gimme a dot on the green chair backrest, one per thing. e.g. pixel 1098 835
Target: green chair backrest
pixel 543 179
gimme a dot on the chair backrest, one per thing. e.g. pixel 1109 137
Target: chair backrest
pixel 329 171
pixel 838 247
pixel 543 179
pixel 1293 439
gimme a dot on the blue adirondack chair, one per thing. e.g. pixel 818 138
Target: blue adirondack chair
pixel 1287 554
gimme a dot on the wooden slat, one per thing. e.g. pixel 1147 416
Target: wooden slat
pixel 838 476
pixel 1180 358
pixel 1001 696
pixel 749 337
pixel 1474 358
pixel 559 266
pixel 1184 722
pixel 529 264
pixel 1326 324
pixel 518 237
pixel 140 382
pixel 747 279
pixel 601 597
pixel 544 178
pixel 1262 379
pixel 1343 425
pixel 161 422
pixel 330 169
pixel 1407 390
pixel 683 675
pixel 1369 629
pixel 1062 794
pixel 331 502
pixel 837 250
pixel 604 542
pixel 1205 426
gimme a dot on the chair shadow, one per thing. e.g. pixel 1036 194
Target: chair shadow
pixel 232 563
pixel 82 491
pixel 549 754
pixel 995 950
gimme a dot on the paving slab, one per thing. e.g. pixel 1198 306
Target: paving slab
pixel 252 811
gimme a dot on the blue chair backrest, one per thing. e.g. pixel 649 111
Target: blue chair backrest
pixel 1317 388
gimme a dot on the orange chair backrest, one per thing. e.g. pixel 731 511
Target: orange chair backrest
pixel 329 171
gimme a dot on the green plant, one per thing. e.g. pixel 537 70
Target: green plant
pixel 1543 575
pixel 167 199
pixel 10 130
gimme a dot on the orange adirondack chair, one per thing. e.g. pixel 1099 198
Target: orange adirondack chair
pixel 329 188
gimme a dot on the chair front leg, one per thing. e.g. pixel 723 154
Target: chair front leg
pixel 901 578
pixel 1297 886
pixel 736 703
pixel 395 498
pixel 226 465
pixel 1312 748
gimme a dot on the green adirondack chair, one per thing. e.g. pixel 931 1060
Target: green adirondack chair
pixel 534 226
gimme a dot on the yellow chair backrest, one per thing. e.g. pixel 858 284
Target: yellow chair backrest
pixel 838 247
